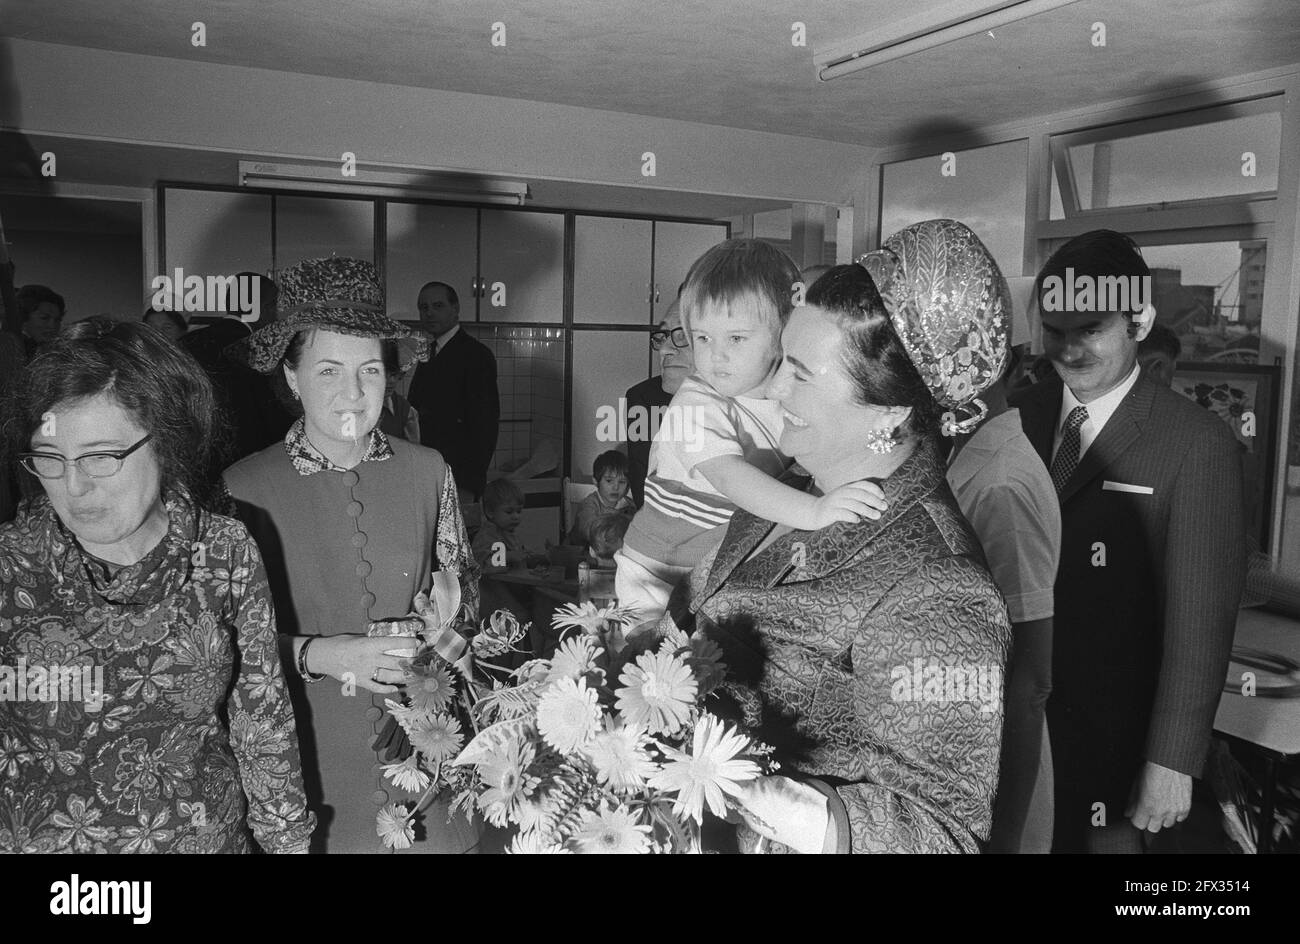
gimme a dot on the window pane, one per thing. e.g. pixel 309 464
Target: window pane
pixel 317 227
pixel 1217 159
pixel 1212 296
pixel 981 187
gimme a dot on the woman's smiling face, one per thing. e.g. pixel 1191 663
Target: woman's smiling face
pixel 342 384
pixel 824 423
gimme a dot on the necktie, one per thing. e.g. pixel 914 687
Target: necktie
pixel 1067 455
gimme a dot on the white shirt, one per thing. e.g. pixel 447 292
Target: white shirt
pixel 1100 411
pixel 441 340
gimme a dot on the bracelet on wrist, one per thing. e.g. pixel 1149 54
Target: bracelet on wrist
pixel 306 675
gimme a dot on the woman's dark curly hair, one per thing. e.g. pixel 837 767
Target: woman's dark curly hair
pixel 163 388
pixel 874 356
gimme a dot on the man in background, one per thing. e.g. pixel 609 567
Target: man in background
pixel 455 392
pixel 1158 355
pixel 651 397
pixel 1152 558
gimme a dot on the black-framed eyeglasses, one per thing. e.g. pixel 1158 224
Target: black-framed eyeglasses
pixel 96 465
pixel 659 337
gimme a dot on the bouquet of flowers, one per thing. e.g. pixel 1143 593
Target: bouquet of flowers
pixel 582 752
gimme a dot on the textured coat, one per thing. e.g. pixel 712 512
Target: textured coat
pixel 823 633
pixel 1146 595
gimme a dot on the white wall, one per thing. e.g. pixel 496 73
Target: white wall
pixel 123 97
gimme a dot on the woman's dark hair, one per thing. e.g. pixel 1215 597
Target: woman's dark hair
pixel 163 388
pixel 873 354
pixel 293 355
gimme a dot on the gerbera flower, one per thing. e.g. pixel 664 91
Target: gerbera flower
pixel 505 774
pixel 590 618
pixel 437 738
pixel 619 755
pixel 568 715
pixel 407 775
pixel 612 832
pixel 533 844
pixel 575 657
pixel 432 689
pixel 395 827
pixel 708 771
pixel 658 693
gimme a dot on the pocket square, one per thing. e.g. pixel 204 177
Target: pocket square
pixel 1108 486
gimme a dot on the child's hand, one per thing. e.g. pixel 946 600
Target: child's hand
pixel 850 503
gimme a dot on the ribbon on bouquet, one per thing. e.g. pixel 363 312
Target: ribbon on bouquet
pixel 439 610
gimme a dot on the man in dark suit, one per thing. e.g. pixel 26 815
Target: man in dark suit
pixel 455 392
pixel 651 397
pixel 1152 555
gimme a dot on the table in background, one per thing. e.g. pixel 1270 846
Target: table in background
pixel 1269 726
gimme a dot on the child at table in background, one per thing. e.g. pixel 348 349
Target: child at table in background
pixel 607 534
pixel 497 547
pixel 609 498
pixel 717 446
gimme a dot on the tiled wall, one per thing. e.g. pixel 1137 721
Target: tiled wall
pixel 530 380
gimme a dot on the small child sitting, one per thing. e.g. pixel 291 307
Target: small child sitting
pixel 496 547
pixel 609 498
pixel 607 533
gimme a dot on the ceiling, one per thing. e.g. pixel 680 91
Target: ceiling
pixel 727 64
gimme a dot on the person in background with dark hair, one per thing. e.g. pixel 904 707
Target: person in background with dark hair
pixel 455 393
pixel 651 397
pixel 1152 556
pixel 180 736
pixel 257 418
pixel 1158 354
pixel 170 324
pixel 352 524
pixel 940 268
pixel 42 310
pixel 827 633
pixel 610 497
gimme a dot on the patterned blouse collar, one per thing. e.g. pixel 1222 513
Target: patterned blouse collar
pixel 307 459
pixel 152 578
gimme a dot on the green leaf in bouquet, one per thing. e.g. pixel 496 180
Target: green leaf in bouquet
pixel 493 739
pixel 510 702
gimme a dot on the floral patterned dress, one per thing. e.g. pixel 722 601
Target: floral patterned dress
pixel 184 741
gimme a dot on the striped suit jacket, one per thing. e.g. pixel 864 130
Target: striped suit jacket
pixel 1151 574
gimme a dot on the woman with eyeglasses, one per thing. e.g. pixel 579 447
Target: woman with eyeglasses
pixel 142 706
pixel 651 397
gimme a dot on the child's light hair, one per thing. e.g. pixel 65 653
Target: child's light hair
pixel 500 491
pixel 736 271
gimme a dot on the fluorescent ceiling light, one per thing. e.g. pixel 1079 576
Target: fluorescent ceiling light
pixel 329 178
pixel 947 24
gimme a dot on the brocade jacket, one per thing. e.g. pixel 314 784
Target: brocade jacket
pixel 870 657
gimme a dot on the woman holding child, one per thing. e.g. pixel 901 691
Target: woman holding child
pixel 351 524
pixel 836 632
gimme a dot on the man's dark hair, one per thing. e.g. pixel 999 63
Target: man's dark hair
pixel 31 297
pixel 1097 254
pixel 452 297
pixel 163 388
pixel 874 356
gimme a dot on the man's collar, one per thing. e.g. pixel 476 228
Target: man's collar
pixel 307 459
pixel 442 339
pixel 1103 406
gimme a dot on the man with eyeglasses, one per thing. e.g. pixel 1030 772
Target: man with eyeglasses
pixel 650 397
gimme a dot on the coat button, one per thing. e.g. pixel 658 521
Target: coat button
pixel 354 509
pixel 359 539
pixel 367 600
pixel 364 569
pixel 380 797
pixel 350 477
pixel 374 713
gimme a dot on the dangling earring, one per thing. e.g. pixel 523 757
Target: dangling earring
pixel 881 441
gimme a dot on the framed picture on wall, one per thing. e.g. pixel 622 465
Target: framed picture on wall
pixel 1245 397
